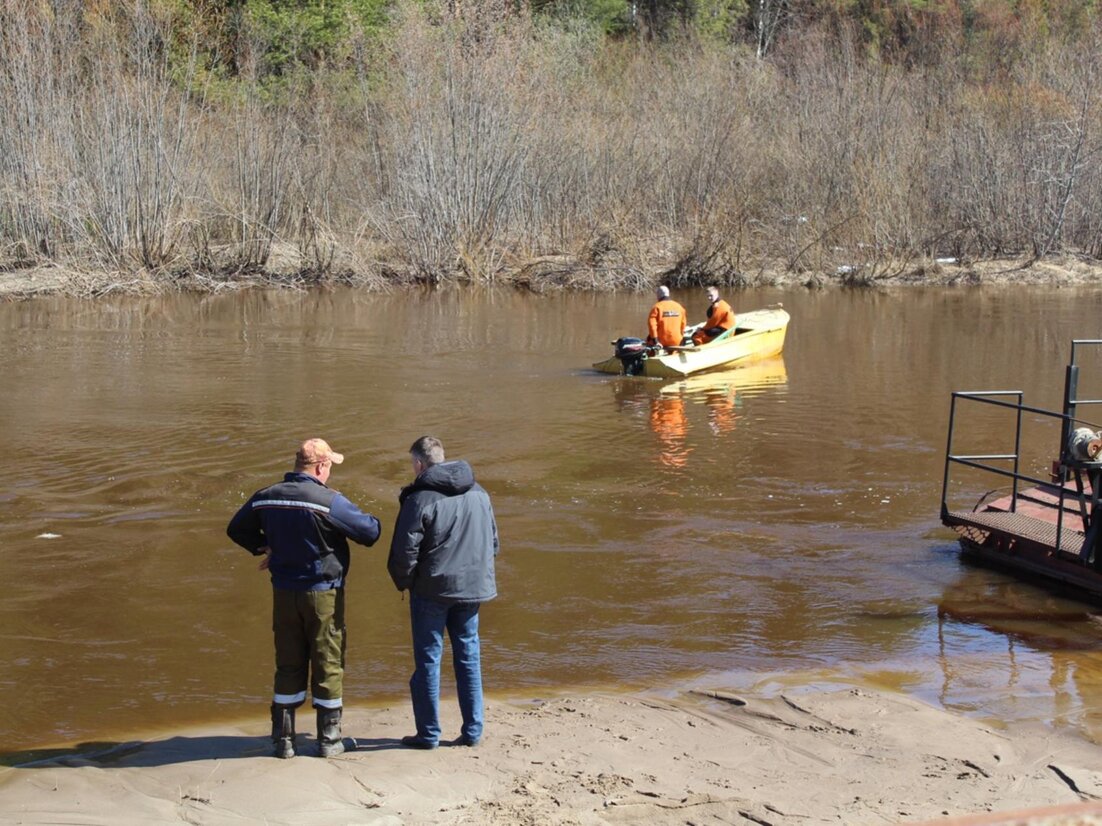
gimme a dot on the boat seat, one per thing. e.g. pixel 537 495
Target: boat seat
pixel 1016 524
pixel 724 334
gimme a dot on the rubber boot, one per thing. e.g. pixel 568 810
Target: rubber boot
pixel 283 731
pixel 330 743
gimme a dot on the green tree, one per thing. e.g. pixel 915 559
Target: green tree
pixel 613 17
pixel 310 33
pixel 720 19
pixel 658 19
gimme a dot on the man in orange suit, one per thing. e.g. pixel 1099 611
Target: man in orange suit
pixel 721 318
pixel 666 322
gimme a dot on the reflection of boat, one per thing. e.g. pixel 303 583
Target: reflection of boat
pixel 722 391
pixel 759 374
pixel 759 335
pixel 667 420
pixel 678 411
pixel 1051 530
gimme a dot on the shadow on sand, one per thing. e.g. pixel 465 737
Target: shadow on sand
pixel 142 753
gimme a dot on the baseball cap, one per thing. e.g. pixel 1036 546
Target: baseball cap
pixel 316 451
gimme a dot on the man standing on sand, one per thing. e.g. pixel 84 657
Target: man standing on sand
pixel 443 553
pixel 666 322
pixel 302 528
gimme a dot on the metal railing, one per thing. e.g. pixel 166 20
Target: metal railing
pixel 998 398
pixel 977 460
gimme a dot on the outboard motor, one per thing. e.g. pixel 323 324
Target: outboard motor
pixel 631 352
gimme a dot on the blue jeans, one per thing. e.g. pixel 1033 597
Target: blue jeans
pixel 429 619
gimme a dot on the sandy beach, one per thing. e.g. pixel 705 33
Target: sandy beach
pixel 844 755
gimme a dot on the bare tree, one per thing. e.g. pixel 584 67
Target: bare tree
pixel 769 17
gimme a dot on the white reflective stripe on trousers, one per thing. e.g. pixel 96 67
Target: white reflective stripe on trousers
pixel 288 699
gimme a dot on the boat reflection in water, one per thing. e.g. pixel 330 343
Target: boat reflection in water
pixel 667 420
pixel 1044 650
pixel 672 408
pixel 722 392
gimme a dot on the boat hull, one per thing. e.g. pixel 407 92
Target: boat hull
pixel 1032 539
pixel 760 334
pixel 1035 565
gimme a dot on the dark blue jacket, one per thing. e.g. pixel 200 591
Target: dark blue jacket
pixel 446 538
pixel 307 526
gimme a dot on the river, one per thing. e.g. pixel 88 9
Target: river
pixel 764 529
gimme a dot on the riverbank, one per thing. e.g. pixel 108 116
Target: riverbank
pixel 553 273
pixel 844 755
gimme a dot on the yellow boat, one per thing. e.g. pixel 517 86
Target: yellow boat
pixel 759 334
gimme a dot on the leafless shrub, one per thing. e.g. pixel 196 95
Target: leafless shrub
pixel 497 150
pixel 455 137
pixel 34 75
pixel 99 155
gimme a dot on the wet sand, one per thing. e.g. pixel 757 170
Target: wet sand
pixel 848 755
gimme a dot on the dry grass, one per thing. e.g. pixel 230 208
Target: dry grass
pixel 545 159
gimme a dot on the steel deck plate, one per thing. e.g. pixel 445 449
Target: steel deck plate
pixel 1019 525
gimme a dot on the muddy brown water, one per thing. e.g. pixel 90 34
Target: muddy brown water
pixel 761 530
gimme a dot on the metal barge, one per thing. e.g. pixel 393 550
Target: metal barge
pixel 1045 530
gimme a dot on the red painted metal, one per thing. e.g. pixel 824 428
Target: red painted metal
pixel 1048 531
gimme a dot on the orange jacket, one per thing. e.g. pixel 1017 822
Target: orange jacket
pixel 720 319
pixel 666 323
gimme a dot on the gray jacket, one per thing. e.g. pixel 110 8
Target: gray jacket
pixel 446 538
